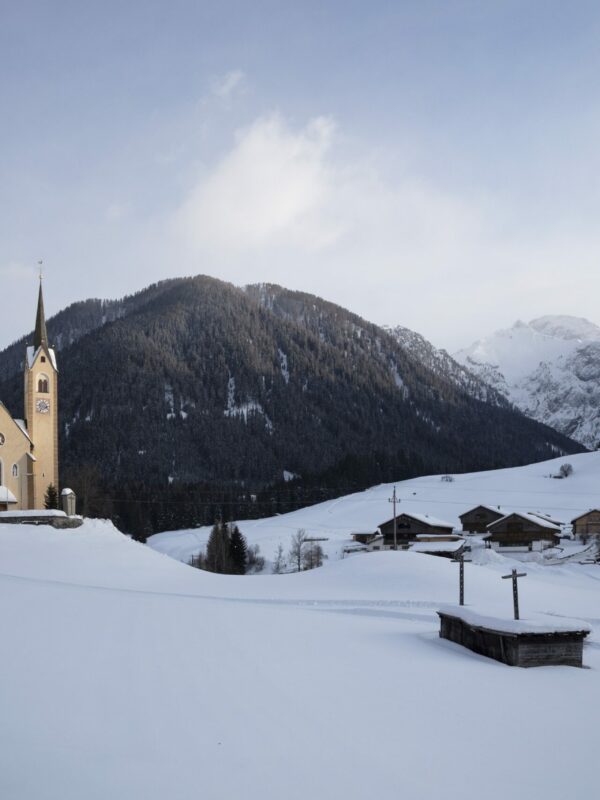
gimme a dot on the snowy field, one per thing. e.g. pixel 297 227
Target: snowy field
pixel 126 674
pixel 529 488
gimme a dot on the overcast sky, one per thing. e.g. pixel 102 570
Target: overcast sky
pixel 430 164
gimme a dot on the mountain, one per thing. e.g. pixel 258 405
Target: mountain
pixel 194 395
pixel 549 368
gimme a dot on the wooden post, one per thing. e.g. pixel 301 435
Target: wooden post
pixel 514 575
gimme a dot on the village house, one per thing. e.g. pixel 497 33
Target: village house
pixel 409 526
pixel 523 530
pixel 477 519
pixel 587 523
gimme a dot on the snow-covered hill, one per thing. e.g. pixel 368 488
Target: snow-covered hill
pixel 530 488
pixel 549 368
pixel 126 674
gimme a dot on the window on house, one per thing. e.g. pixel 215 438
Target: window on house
pixel 43 359
pixel 15 471
pixel 43 384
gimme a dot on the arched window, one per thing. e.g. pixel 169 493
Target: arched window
pixel 43 384
pixel 15 470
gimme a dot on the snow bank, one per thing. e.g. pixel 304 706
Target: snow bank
pixel 127 674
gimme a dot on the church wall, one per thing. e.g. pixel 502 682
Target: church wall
pixel 14 452
pixel 42 427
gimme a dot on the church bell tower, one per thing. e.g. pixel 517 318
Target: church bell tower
pixel 41 408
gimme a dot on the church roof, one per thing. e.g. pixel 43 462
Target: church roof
pixel 40 336
pixel 18 422
pixel 32 354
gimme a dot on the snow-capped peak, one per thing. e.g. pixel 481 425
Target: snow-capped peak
pixel 549 368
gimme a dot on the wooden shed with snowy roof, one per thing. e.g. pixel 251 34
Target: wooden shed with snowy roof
pixel 523 529
pixel 409 526
pixel 587 523
pixel 476 520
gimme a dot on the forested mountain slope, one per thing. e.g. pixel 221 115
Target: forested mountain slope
pixel 194 382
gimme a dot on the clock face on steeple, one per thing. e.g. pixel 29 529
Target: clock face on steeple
pixel 42 406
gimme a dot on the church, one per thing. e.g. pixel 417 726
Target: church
pixel 29 446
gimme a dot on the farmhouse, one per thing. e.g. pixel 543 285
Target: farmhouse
pixel 523 530
pixel 409 526
pixel 587 523
pixel 477 519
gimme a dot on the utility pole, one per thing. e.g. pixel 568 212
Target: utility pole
pixel 394 499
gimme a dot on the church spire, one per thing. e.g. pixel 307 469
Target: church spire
pixel 40 337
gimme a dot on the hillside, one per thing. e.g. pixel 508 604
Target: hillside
pixel 528 488
pixel 549 368
pixel 126 675
pixel 195 388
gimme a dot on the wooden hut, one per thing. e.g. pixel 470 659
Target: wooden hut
pixel 476 520
pixel 523 530
pixel 587 523
pixel 409 526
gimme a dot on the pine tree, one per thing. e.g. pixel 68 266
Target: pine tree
pixel 218 558
pixel 51 497
pixel 238 552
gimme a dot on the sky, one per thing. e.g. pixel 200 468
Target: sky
pixel 433 164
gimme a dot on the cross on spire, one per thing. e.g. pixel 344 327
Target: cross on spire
pixel 40 336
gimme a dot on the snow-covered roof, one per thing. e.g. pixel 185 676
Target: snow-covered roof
pixel 437 547
pixel 21 424
pixel 545 517
pixel 32 354
pixel 6 496
pixel 428 520
pixel 496 618
pixel 585 513
pixel 529 517
pixel 67 491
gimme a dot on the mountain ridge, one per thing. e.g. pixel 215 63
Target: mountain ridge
pixel 195 384
pixel 549 368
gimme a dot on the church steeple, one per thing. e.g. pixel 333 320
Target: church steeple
pixel 40 337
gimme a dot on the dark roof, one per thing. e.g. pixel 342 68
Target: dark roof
pixel 424 519
pixel 495 509
pixel 40 336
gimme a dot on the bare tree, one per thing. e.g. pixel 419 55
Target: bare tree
pixel 565 470
pixel 298 540
pixel 279 563
pixel 313 555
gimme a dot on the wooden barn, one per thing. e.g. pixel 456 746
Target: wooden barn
pixel 523 530
pixel 477 519
pixel 409 526
pixel 587 523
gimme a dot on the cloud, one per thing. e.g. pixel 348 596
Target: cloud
pixel 273 189
pixel 223 86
